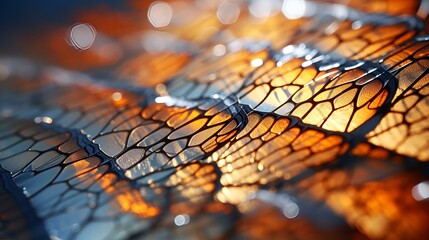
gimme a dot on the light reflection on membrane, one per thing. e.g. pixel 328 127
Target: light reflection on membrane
pixel 82 36
pixel 116 96
pixel 160 14
pixel 294 9
pixel 261 8
pixel 219 50
pixel 257 62
pixel 47 120
pixel 52 235
pixel 421 191
pixel 280 200
pixel 181 220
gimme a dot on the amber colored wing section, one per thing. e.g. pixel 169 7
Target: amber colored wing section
pixel 272 149
pixel 405 128
pixel 75 189
pixel 262 220
pixel 365 37
pixel 348 32
pixel 375 190
pixel 169 136
pixel 321 89
pixel 143 138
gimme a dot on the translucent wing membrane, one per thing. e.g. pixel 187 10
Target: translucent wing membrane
pixel 360 205
pixel 271 149
pixel 322 89
pixel 357 203
pixel 406 124
pixel 360 36
pixel 63 177
pixel 229 120
pixel 372 177
pixel 169 136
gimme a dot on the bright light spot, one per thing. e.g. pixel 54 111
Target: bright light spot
pixel 290 210
pixel 219 50
pixel 116 96
pixel 306 64
pixel 339 12
pixel 294 9
pixel 288 49
pixel 421 191
pixel 47 120
pixel 82 36
pixel 228 12
pixel 24 190
pixel 260 8
pixel 160 14
pixel 181 220
pixel 159 100
pixel 257 62
pixel 167 100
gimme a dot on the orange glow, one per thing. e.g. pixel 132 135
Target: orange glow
pixel 127 200
pixel 111 22
pixel 160 67
pixel 375 208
